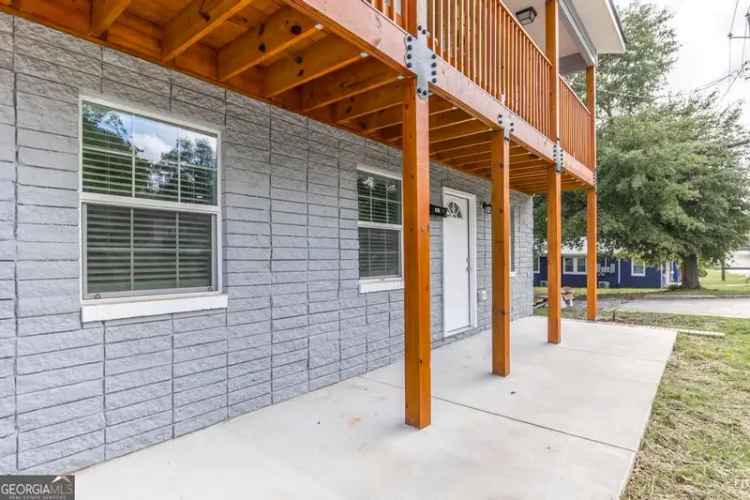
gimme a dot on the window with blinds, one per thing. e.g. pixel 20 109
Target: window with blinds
pixel 379 201
pixel 149 205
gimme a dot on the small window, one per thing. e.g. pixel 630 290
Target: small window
pixel 638 268
pixel 574 265
pixel 537 263
pixel 148 205
pixel 379 198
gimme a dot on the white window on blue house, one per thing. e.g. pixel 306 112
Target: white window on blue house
pixel 637 268
pixel 380 230
pixel 574 265
pixel 537 263
pixel 149 206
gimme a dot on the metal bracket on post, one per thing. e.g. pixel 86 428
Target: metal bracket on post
pixel 507 126
pixel 422 61
pixel 558 155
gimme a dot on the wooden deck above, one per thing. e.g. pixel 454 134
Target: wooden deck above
pixel 343 63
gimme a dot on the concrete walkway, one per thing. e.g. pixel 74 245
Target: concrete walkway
pixel 566 424
pixel 730 308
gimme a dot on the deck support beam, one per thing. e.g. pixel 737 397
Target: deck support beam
pixel 592 233
pixel 554 181
pixel 592 260
pixel 554 243
pixel 501 306
pixel 416 191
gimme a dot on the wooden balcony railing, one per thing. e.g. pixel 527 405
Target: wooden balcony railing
pixel 483 40
pixel 576 122
pixel 391 9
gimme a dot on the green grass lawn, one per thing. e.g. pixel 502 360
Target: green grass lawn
pixel 697 444
pixel 735 284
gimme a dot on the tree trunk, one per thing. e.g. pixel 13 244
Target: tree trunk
pixel 690 276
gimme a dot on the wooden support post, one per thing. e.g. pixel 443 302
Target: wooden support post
pixel 554 193
pixel 554 276
pixel 592 234
pixel 500 171
pixel 592 257
pixel 552 48
pixel 416 187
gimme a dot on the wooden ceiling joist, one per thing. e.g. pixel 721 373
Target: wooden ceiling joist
pixel 280 32
pixel 394 115
pixel 103 14
pixel 362 77
pixel 320 59
pixel 458 131
pixel 437 122
pixel 365 104
pixel 195 21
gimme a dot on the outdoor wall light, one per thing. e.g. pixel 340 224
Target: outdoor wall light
pixel 526 16
pixel 487 207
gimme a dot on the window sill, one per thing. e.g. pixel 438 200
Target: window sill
pixel 133 308
pixel 369 286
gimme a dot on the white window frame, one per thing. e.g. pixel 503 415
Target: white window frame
pixel 576 268
pixel 386 283
pixel 632 268
pixel 159 302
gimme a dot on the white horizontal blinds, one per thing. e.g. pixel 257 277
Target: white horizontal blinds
pixel 197 168
pixel 379 199
pixel 108 249
pixel 130 155
pixel 107 151
pixel 155 250
pixel 195 250
pixel 142 180
pixel 136 250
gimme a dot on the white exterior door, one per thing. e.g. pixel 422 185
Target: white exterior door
pixel 458 262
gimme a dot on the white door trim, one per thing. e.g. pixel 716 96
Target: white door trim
pixel 473 320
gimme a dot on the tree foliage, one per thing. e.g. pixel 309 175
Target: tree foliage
pixel 672 184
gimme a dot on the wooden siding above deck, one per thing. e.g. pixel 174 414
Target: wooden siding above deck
pixel 343 63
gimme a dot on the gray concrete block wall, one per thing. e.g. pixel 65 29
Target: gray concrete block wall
pixel 74 394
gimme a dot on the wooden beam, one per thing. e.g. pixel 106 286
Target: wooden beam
pixel 394 116
pixel 474 140
pixel 362 77
pixel 416 191
pixel 103 14
pixel 437 122
pixel 458 131
pixel 592 256
pixel 592 216
pixel 364 104
pixel 195 21
pixel 316 61
pixel 554 249
pixel 280 32
pixel 501 252
pixel 552 47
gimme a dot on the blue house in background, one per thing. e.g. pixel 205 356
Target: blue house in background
pixel 613 272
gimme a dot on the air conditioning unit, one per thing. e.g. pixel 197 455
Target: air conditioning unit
pixel 604 284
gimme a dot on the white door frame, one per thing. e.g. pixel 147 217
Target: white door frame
pixel 472 220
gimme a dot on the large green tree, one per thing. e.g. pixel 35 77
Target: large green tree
pixel 671 181
pixel 673 184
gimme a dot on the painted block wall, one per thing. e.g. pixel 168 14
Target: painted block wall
pixel 74 394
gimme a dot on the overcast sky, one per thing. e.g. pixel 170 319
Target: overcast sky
pixel 702 28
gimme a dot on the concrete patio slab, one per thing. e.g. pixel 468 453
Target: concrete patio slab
pixel 491 438
pixel 729 308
